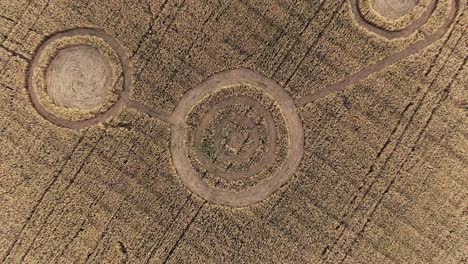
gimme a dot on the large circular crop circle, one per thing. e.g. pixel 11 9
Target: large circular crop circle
pixel 79 78
pixel 236 138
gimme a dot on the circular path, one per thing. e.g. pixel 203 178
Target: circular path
pixel 180 152
pixel 74 76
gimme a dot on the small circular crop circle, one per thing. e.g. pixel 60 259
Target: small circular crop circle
pixel 79 78
pixel 236 138
pixel 393 19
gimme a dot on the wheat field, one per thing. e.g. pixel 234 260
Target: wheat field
pixel 233 131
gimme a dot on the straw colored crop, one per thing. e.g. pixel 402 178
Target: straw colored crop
pixel 233 131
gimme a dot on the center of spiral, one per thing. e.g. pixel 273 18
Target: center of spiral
pixel 235 136
pixel 235 141
pixel 394 9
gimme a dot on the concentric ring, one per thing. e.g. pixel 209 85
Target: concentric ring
pixel 98 117
pixel 241 155
pixel 268 158
pixel 217 82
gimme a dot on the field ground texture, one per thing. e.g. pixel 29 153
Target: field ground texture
pixel 233 131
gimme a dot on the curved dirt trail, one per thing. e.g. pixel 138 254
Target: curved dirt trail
pixel 380 65
pixel 150 111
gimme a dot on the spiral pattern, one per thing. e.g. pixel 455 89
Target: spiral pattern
pixel 79 77
pixel 236 138
pixel 393 9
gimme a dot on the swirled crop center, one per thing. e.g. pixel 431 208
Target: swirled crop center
pixel 393 9
pixel 236 138
pixel 79 77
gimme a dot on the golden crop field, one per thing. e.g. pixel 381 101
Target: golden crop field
pixel 233 131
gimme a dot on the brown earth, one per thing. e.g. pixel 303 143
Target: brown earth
pixel 233 132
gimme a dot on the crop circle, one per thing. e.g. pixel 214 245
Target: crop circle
pixel 393 19
pixel 236 138
pixel 79 78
